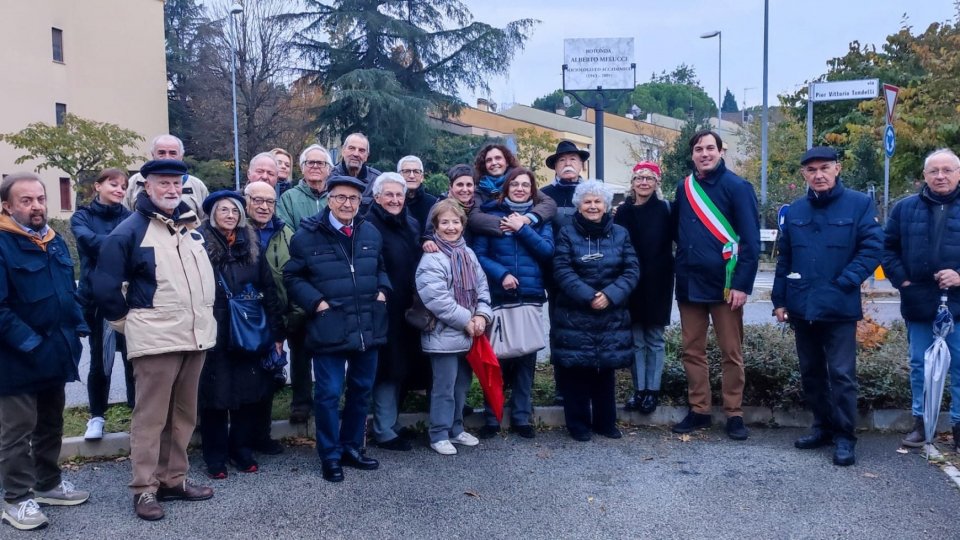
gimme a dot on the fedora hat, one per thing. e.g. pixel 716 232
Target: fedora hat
pixel 567 147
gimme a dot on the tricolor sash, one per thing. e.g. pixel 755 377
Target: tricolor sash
pixel 717 224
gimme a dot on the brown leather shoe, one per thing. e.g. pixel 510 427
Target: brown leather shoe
pixel 146 506
pixel 184 492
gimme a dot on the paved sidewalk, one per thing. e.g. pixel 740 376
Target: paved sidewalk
pixel 649 484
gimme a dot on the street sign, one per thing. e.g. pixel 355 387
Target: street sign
pixel 589 64
pixel 782 216
pixel 890 96
pixel 889 141
pixel 834 91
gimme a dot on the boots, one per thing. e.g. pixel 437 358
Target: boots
pixel 916 438
pixel 634 403
pixel 651 398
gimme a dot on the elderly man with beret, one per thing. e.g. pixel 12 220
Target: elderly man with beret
pixel 336 274
pixel 831 242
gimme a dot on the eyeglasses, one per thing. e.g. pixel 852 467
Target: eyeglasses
pixel 260 201
pixel 341 198
pixel 947 171
pixel 411 171
pixel 313 164
pixel 648 179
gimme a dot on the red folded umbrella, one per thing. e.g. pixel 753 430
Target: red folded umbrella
pixel 484 363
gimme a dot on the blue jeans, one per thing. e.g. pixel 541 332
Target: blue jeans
pixel 649 356
pixel 329 372
pixel 518 376
pixel 386 410
pixel 920 336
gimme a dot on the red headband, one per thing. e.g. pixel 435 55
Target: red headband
pixel 647 165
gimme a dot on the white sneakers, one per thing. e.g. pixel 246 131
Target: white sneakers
pixel 444 447
pixel 24 516
pixel 94 429
pixel 465 439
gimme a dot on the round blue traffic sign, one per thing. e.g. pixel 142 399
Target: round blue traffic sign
pixel 889 141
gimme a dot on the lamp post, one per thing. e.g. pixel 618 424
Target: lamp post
pixel 719 36
pixel 764 124
pixel 235 10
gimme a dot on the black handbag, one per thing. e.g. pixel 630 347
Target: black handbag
pixel 418 316
pixel 249 330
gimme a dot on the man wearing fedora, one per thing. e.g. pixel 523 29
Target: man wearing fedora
pixel 567 164
pixel 831 242
pixel 336 274
pixel 155 284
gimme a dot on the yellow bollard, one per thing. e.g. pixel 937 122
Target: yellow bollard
pixel 878 273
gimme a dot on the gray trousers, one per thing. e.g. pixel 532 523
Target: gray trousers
pixel 518 377
pixel 31 432
pixel 386 410
pixel 451 380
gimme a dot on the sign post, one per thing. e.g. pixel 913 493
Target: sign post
pixel 889 141
pixel 835 91
pixel 596 66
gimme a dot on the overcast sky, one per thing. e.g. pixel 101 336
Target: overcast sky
pixel 804 34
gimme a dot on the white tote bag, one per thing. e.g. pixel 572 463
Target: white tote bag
pixel 517 330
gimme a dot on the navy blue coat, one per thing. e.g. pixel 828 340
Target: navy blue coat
pixel 40 318
pixel 581 336
pixel 701 269
pixel 91 225
pixel 649 228
pixel 914 251
pixel 833 242
pixel 524 255
pixel 347 273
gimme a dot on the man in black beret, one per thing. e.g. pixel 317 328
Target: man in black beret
pixel 336 274
pixel 831 243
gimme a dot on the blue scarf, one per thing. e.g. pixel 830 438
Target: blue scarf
pixel 520 208
pixel 492 184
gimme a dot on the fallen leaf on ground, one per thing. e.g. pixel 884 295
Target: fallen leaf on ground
pixel 648 458
pixel 589 499
pixel 543 454
pixel 472 493
pixel 902 451
pixel 870 475
pixel 684 438
pixel 121 459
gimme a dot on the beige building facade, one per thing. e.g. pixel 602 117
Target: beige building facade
pixel 102 60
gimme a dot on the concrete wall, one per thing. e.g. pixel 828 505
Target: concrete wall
pixel 113 70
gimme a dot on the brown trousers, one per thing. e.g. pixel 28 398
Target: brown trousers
pixel 164 418
pixel 728 328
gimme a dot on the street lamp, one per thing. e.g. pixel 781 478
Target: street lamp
pixel 235 9
pixel 716 34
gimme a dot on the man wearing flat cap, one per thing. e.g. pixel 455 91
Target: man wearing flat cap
pixel 155 285
pixel 336 274
pixel 831 243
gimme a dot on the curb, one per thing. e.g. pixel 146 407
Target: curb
pixel 114 444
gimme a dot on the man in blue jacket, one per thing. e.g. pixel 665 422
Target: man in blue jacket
pixel 336 274
pixel 718 242
pixel 922 258
pixel 41 323
pixel 831 242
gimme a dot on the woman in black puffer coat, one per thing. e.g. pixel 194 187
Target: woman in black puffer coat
pixel 234 386
pixel 596 269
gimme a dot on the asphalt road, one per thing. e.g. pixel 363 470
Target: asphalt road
pixel 649 484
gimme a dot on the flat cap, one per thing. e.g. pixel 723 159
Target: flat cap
pixel 171 167
pixel 335 181
pixel 819 153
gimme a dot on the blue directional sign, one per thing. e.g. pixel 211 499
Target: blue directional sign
pixel 782 216
pixel 889 141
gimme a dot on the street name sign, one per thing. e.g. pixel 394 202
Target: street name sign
pixel 838 90
pixel 593 63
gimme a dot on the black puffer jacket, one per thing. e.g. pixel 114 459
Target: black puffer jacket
pixel 650 234
pixel 917 245
pixel 401 254
pixel 231 378
pixel 90 226
pixel 347 273
pixel 584 265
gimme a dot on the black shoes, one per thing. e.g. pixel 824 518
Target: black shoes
pixel 651 398
pixel 844 455
pixel 815 439
pixel 332 471
pixel 633 404
pixel 526 431
pixel 918 436
pixel 299 416
pixel 956 437
pixel 611 433
pixel 397 444
pixel 488 432
pixel 270 447
pixel 736 430
pixel 580 436
pixel 693 421
pixel 358 460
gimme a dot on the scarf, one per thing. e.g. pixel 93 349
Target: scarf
pixel 520 208
pixel 231 237
pixel 492 184
pixel 464 277
pixel 591 228
pixel 7 224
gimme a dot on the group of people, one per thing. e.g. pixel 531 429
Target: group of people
pixel 379 288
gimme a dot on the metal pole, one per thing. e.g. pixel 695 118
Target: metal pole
pixel 598 134
pixel 233 76
pixel 810 117
pixel 886 185
pixel 763 114
pixel 719 73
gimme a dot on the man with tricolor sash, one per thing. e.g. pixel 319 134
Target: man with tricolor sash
pixel 718 242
